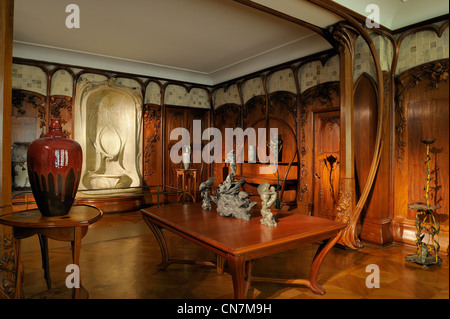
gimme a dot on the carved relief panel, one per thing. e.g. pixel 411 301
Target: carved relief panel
pixel 326 163
pixel 319 123
pixel 108 126
pixel 153 147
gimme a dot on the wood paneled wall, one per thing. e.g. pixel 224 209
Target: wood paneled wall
pixel 375 220
pixel 320 136
pixel 419 109
pixel 276 110
pixel 182 117
pixel 422 111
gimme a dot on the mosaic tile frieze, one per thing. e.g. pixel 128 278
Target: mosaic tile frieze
pixel 364 62
pixel 282 80
pixel 422 47
pixel 179 95
pixel 314 73
pixel 152 93
pixel 27 77
pixel 92 77
pixel 251 88
pixel 62 83
pixel 130 83
pixel 226 95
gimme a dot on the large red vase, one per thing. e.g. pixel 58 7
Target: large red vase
pixel 54 169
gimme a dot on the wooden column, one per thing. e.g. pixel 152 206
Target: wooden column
pixel 6 37
pixel 346 35
pixel 7 274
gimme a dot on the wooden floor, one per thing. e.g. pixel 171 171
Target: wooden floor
pixel 119 256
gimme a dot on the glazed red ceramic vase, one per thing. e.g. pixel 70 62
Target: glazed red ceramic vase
pixel 54 169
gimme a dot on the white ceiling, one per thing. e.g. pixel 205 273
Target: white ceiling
pixel 395 14
pixel 201 41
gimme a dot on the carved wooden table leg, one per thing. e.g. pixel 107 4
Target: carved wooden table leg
pixel 19 270
pixel 220 264
pixel 240 271
pixel 43 241
pixel 157 231
pixel 237 271
pixel 76 248
pixel 320 255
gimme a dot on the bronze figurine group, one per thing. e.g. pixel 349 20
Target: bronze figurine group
pixel 231 201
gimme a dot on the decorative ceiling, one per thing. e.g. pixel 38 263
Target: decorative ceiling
pixel 201 41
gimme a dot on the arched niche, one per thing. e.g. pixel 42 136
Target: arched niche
pixel 108 126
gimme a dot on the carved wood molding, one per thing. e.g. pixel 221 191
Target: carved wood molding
pixel 323 93
pixel 223 112
pixel 59 103
pixel 38 101
pixel 152 116
pixel 287 99
pixel 345 34
pixel 344 206
pixel 8 265
pixel 433 72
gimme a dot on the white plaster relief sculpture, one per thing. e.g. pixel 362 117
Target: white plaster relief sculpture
pixel 108 126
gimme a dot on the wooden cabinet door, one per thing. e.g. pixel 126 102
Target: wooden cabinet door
pixel 326 163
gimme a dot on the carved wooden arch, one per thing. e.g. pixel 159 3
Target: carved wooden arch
pixel 224 110
pixel 339 32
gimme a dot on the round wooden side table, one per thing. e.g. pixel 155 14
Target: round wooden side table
pixel 71 227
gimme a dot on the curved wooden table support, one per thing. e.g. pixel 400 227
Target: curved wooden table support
pixel 71 227
pixel 240 243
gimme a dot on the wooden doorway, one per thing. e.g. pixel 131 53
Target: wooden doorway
pixel 326 163
pixel 183 117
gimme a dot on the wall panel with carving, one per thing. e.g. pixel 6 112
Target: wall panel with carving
pixel 375 218
pixel 422 111
pixel 318 136
pixel 43 90
pixel 153 148
pixel 183 117
pixel 28 123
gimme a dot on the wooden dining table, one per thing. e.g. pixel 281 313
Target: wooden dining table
pixel 240 242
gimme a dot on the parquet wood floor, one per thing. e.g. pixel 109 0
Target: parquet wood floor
pixel 119 256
